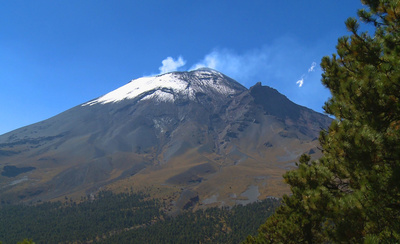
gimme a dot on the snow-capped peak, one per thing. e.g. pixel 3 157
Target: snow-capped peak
pixel 167 86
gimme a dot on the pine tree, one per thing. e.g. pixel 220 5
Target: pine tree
pixel 352 193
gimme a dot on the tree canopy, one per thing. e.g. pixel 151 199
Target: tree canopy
pixel 352 193
pixel 129 218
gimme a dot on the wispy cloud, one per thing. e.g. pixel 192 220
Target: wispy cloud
pixel 300 82
pixel 304 76
pixel 276 65
pixel 169 64
pixel 311 69
pixel 243 67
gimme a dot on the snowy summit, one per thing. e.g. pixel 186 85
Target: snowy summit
pixel 167 87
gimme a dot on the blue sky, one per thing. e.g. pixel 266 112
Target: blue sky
pixel 55 55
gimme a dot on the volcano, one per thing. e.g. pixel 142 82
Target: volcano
pixel 197 138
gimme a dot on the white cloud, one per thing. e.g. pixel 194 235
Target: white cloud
pixel 245 67
pixel 300 82
pixel 304 76
pixel 312 68
pixel 210 61
pixel 169 64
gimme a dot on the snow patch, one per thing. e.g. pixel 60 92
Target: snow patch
pixel 160 96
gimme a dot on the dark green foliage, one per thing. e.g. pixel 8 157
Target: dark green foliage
pixel 129 218
pixel 213 225
pixel 53 222
pixel 352 194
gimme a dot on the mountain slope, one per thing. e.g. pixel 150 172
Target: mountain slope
pixel 197 138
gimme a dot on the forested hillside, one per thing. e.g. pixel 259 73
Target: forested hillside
pixel 129 218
